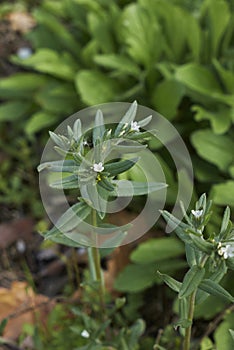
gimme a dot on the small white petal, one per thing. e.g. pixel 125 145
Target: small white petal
pixel 24 52
pixel 227 251
pixel 197 213
pixel 85 334
pixel 98 167
pixel 135 126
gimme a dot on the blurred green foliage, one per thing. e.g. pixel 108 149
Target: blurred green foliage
pixel 173 56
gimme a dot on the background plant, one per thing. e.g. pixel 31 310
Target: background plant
pixel 208 256
pixel 87 53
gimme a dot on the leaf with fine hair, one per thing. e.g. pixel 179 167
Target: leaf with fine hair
pixel 127 118
pixel 71 219
pixel 191 281
pixel 215 289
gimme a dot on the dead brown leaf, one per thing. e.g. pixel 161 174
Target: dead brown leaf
pixel 22 22
pixel 21 305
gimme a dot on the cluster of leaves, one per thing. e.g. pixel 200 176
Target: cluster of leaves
pixel 88 166
pixel 174 56
pixel 208 255
pixel 76 328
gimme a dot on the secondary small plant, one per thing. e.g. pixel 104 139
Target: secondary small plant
pixel 92 161
pixel 208 255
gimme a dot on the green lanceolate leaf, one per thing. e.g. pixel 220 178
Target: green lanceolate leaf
pixel 106 184
pixel 116 168
pixel 225 223
pixel 192 255
pixel 178 226
pixel 73 217
pixel 171 282
pixel 68 182
pixel 99 127
pixel 191 281
pixel 127 118
pixel 201 244
pixel 215 289
pixel 183 308
pixel 130 188
pixel 67 166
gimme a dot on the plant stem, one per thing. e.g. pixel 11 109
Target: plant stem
pixel 95 266
pixel 187 337
pixel 188 330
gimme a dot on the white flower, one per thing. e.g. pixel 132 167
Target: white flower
pixel 197 213
pixel 227 251
pixel 98 167
pixel 24 52
pixel 85 334
pixel 135 126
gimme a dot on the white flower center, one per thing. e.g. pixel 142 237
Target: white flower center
pixel 135 126
pixel 98 167
pixel 226 251
pixel 197 213
pixel 85 334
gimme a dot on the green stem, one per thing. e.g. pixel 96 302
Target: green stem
pixel 95 266
pixel 188 330
pixel 192 298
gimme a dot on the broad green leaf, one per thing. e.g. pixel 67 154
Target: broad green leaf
pixel 206 344
pixel 171 282
pixel 130 188
pixel 39 121
pixel 94 87
pixel 215 289
pixel 68 166
pixel 57 97
pixel 119 63
pixel 67 182
pixel 220 119
pixel 21 85
pixel 191 281
pixel 14 110
pixel 167 90
pixel 226 76
pixel 139 40
pixel 63 35
pixel 121 166
pixel 222 194
pixel 135 278
pixel 101 28
pixel 216 149
pixel 218 17
pixel 198 78
pixel 194 36
pixel 48 61
pixel 156 249
pixel 222 336
pixel 71 219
